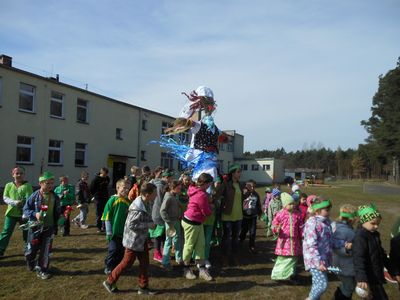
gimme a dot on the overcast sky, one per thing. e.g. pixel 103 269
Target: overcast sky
pixel 292 74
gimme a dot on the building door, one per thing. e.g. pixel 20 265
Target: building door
pixel 119 171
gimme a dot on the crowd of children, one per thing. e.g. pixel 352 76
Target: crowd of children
pixel 183 219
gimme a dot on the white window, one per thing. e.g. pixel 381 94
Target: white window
pixel 80 155
pixel 266 167
pixel 167 160
pixel 1 91
pixel 229 147
pixel 57 105
pixel 143 155
pixel 82 111
pixel 55 152
pixel 26 97
pixel 144 124
pixel 118 133
pixel 24 150
pixel 243 167
pixel 254 167
pixel 165 125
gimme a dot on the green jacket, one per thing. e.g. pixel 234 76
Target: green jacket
pixel 67 199
pixel 12 193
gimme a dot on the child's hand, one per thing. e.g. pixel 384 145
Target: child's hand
pixel 322 267
pixel 38 216
pixel 348 245
pixel 363 285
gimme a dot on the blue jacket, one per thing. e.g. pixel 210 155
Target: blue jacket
pixel 33 203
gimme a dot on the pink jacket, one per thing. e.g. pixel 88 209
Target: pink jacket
pixel 198 208
pixel 289 227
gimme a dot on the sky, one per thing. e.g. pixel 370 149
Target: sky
pixel 293 74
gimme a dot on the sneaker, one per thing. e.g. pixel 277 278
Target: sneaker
pixel 205 275
pixel 146 291
pixel 107 271
pixel 179 262
pixel 207 264
pixel 188 273
pixel 76 222
pixel 84 226
pixel 110 287
pixel 43 275
pixel 157 256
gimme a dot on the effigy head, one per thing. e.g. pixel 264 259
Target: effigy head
pixel 201 99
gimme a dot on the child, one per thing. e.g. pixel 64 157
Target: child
pixel 82 195
pixel 66 193
pixel 288 225
pixel 343 236
pixel 197 211
pixel 274 206
pixel 135 241
pixel 303 206
pixel 251 209
pixel 171 214
pixel 15 194
pixel 395 252
pixel 317 247
pixel 42 206
pixel 114 216
pixel 368 255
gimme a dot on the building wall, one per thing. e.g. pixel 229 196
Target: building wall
pixel 105 115
pixel 261 176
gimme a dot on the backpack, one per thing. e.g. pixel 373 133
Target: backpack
pixel 250 205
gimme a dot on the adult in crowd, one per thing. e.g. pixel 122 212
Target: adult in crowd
pixel 99 190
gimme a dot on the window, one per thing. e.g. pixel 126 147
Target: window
pixel 55 152
pixel 181 166
pixel 82 111
pixel 254 167
pixel 57 105
pixel 118 133
pixel 229 147
pixel 1 91
pixel 220 165
pixel 26 97
pixel 165 125
pixel 222 147
pixel 266 167
pixel 24 150
pixel 184 138
pixel 80 155
pixel 166 160
pixel 144 124
pixel 243 167
pixel 143 155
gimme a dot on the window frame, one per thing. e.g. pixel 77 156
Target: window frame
pixel 31 147
pixel 167 160
pixel 143 155
pixel 85 154
pixel 54 148
pixel 53 100
pixel 118 134
pixel 255 167
pixel 144 124
pixel 28 94
pixel 80 106
pixel 244 167
pixel 266 167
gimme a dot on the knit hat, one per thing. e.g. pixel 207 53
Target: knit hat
pixel 286 199
pixel 267 190
pixel 233 168
pixel 368 213
pixel 276 192
pixel 46 176
pixel 296 196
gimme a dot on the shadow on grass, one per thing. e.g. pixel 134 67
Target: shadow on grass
pixel 81 250
pixel 212 287
pixel 59 272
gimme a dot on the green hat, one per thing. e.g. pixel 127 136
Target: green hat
pixel 46 176
pixel 324 204
pixel 368 213
pixel 167 173
pixel 233 168
pixel 286 199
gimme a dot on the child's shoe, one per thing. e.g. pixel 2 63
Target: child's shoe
pixel 43 275
pixel 107 271
pixel 204 274
pixel 146 291
pixel 207 264
pixel 188 273
pixel 84 226
pixel 157 256
pixel 110 287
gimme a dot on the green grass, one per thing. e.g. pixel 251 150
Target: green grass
pixel 77 264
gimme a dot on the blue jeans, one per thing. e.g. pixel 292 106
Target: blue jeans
pixel 230 239
pixel 176 241
pixel 115 253
pixel 249 225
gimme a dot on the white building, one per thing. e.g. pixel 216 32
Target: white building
pixel 262 170
pixel 49 125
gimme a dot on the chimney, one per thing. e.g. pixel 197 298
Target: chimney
pixel 6 60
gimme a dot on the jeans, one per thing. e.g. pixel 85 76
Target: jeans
pixel 128 260
pixel 83 212
pixel 231 235
pixel 39 241
pixel 65 228
pixel 176 241
pixel 115 252
pixel 249 225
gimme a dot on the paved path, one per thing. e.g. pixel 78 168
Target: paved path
pixel 381 188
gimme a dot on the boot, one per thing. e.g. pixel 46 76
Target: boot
pixel 339 295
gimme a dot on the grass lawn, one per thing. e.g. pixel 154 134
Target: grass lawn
pixel 77 263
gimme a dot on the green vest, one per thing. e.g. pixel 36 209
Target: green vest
pixel 21 193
